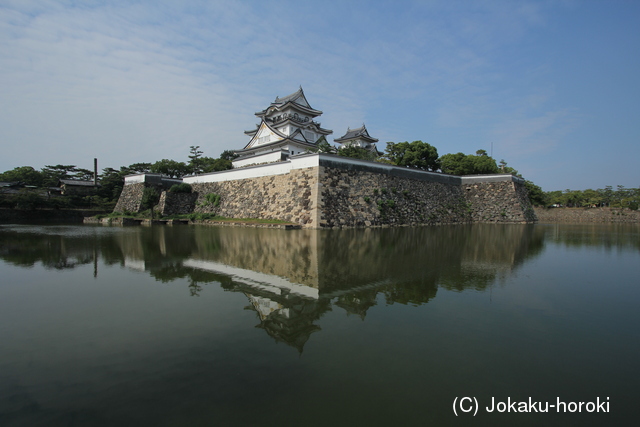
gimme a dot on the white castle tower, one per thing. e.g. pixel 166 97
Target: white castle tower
pixel 287 127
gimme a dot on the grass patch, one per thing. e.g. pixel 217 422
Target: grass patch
pixel 193 217
pixel 213 217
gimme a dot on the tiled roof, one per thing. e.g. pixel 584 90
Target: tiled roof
pixel 360 132
pixel 77 182
pixel 293 97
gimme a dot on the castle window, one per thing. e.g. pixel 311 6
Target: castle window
pixel 310 136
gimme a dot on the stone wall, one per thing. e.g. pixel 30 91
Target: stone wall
pixel 131 198
pixel 289 197
pixel 358 198
pixel 326 191
pixel 176 203
pixel 590 215
pixel 502 201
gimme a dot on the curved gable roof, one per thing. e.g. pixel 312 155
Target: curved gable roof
pixel 296 100
pixel 296 97
pixel 264 125
pixel 360 132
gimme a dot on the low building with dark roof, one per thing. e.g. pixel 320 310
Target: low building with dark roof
pixel 12 187
pixel 77 187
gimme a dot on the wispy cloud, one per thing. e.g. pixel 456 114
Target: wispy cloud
pixel 141 81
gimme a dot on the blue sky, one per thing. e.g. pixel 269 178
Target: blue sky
pixel 552 87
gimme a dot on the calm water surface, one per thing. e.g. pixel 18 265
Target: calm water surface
pixel 207 326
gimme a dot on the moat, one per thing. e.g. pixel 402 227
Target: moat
pixel 205 325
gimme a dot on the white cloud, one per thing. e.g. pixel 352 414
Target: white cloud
pixel 129 82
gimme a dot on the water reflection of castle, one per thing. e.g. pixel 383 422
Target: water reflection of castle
pixel 292 278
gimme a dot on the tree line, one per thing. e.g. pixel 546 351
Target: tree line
pixel 421 155
pixel 111 181
pixel 416 154
pixel 424 156
pixel 621 197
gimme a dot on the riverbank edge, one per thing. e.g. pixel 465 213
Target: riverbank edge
pixel 17 216
pixel 146 222
pixel 545 215
pixel 587 215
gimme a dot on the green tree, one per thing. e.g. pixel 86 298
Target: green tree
pixel 323 146
pixel 607 195
pixel 29 200
pixel 573 198
pixel 150 198
pixel 24 174
pixel 357 153
pixel 194 159
pixel 53 174
pixel 209 164
pixel 83 174
pixel 468 164
pixel 170 168
pixel 554 197
pixel 416 154
pixel 508 169
pixel 228 155
pixel 622 196
pixel 135 168
pixel 591 198
pixel 537 197
pixel 111 184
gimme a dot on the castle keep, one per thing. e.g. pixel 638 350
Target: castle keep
pixel 276 177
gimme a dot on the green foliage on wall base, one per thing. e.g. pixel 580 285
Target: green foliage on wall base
pixel 150 197
pixel 181 188
pixel 211 200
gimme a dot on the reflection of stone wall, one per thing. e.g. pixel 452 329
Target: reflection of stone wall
pixel 292 255
pixel 342 259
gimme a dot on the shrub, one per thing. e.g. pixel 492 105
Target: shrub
pixel 150 197
pixel 181 188
pixel 212 199
pixel 28 200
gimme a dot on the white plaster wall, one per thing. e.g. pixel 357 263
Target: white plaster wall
pixel 270 156
pixel 305 161
pixel 150 177
pixel 133 179
pixel 278 168
pixel 310 160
